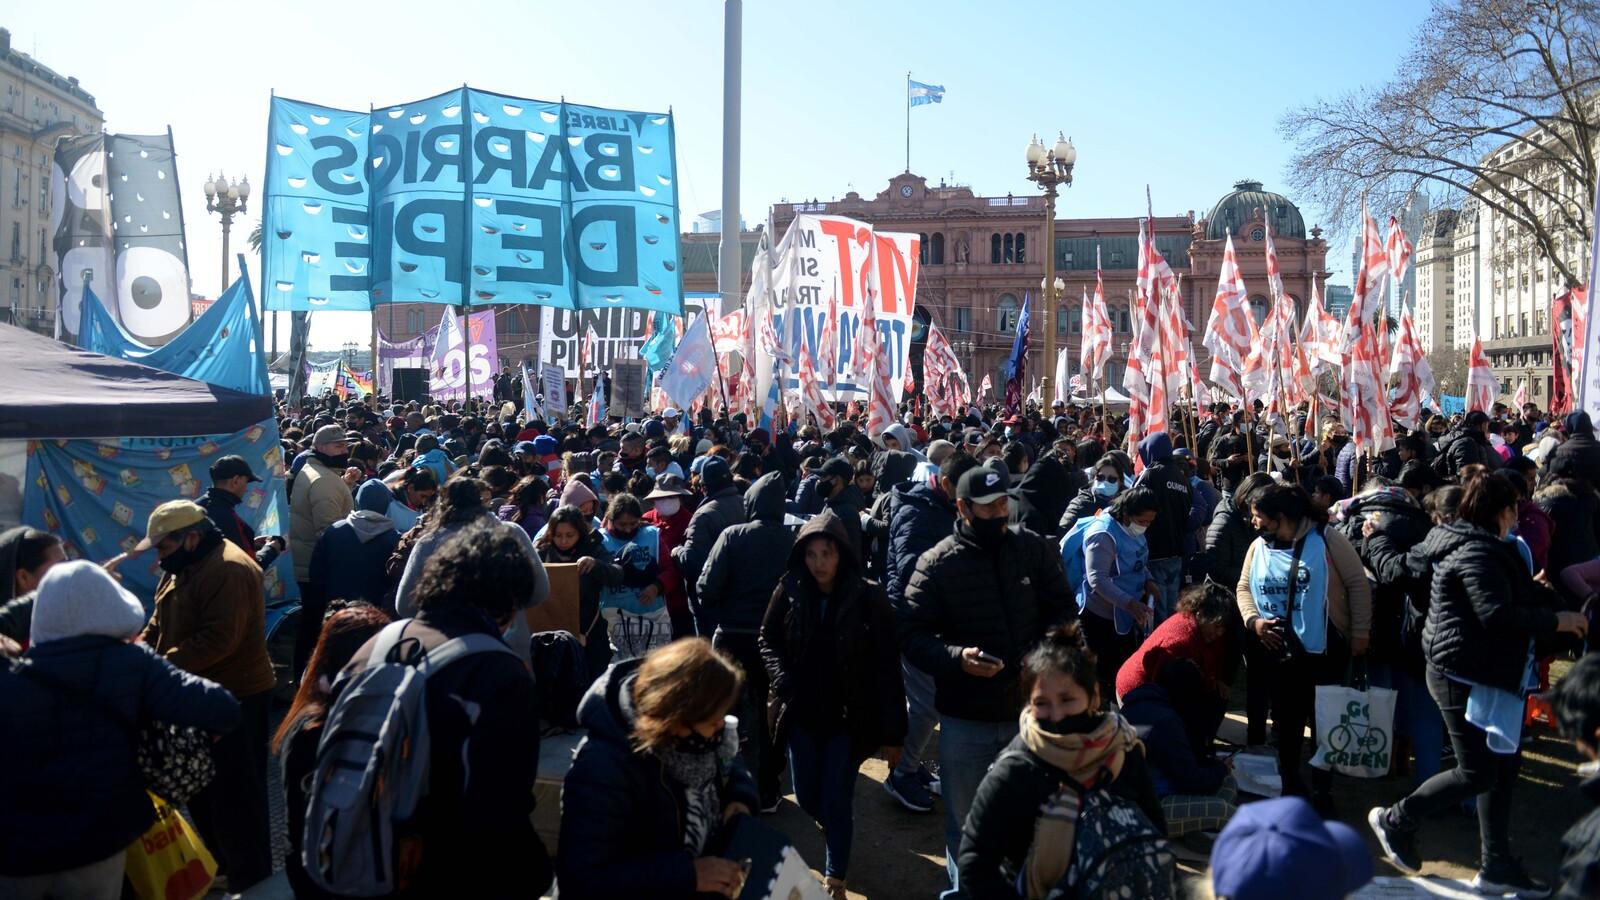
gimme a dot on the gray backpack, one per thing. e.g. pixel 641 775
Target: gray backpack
pixel 372 768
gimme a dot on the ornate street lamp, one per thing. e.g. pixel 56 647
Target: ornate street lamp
pixel 1049 168
pixel 227 199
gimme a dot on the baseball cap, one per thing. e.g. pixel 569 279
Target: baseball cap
pixel 1282 848
pixel 983 484
pixel 670 412
pixel 231 467
pixel 524 447
pixel 328 434
pixel 838 467
pixel 167 518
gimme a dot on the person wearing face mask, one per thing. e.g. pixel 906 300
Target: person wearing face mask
pixel 1305 599
pixel 636 616
pixel 826 640
pixel 569 538
pixel 841 495
pixel 734 592
pixel 209 621
pixel 655 779
pixel 321 496
pixel 974 605
pixel 722 508
pixel 669 513
pixel 1019 839
pixel 1116 599
pixel 1485 616
pixel 482 713
pixel 1096 495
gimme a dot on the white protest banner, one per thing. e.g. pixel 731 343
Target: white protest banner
pixel 619 333
pixel 823 256
pixel 555 389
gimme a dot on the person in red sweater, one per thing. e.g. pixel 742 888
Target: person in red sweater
pixel 1194 633
pixel 670 514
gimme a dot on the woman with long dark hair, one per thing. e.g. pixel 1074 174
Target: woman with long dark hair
pixel 1485 614
pixel 567 538
pixel 527 504
pixel 1306 602
pixel 1117 596
pixel 343 633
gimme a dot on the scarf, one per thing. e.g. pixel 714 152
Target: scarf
pixel 700 776
pixel 1088 758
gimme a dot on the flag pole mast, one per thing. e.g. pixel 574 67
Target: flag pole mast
pixel 908 120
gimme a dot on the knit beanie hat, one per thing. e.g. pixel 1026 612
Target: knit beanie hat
pixel 576 493
pixel 79 597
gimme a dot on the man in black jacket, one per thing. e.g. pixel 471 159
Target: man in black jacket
pixel 721 509
pixel 923 515
pixel 1464 446
pixel 231 477
pixel 837 485
pixel 1577 707
pixel 1170 481
pixel 1579 455
pixel 976 603
pixel 735 589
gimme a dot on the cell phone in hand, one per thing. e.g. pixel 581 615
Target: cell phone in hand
pixel 991 659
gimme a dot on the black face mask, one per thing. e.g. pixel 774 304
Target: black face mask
pixel 695 742
pixel 1082 723
pixel 1268 534
pixel 988 532
pixel 181 559
pixel 1339 440
pixel 625 535
pixel 336 463
pixel 825 488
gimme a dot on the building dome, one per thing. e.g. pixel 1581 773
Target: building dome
pixel 1238 210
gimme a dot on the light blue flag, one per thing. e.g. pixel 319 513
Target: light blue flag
pixel 693 366
pixel 922 94
pixel 657 351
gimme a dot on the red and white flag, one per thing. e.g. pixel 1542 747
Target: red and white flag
pixel 1145 379
pixel 984 387
pixel 1231 329
pixel 1482 386
pixel 1320 333
pixel 586 352
pixel 1416 376
pixel 1271 356
pixel 880 405
pixel 1363 396
pixel 1397 249
pixel 1097 334
pixel 939 363
pixel 1370 281
pixel 811 399
pixel 828 347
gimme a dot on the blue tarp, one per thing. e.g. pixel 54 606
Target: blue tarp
pixel 1452 405
pixel 98 495
pixel 218 348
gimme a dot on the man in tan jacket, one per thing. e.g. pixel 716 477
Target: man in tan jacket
pixel 320 498
pixel 209 621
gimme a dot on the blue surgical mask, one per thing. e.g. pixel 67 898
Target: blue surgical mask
pixel 1105 488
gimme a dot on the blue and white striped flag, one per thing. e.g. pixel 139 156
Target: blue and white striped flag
pixel 925 93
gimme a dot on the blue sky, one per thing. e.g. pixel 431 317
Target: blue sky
pixel 1184 97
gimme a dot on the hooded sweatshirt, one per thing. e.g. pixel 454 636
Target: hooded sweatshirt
pixel 1162 475
pixel 736 584
pixel 370 518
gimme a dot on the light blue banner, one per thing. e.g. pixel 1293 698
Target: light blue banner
pixel 470 196
pixel 217 348
pixel 98 495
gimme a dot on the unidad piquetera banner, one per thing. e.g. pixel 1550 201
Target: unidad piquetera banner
pixel 470 197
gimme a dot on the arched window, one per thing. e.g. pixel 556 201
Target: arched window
pixel 938 249
pixel 1259 308
pixel 1022 243
pixel 1062 320
pixel 1075 321
pixel 994 248
pixel 1006 314
pixel 922 253
pixel 414 321
pixel 1010 242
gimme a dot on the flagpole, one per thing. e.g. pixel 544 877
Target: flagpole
pixel 908 120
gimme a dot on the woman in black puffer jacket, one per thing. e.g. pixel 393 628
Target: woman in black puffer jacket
pixel 1485 612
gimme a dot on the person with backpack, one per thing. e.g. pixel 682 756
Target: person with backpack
pixel 1093 499
pixel 1116 595
pixel 74 704
pixel 450 815
pixel 568 538
pixel 1169 479
pixel 347 629
pixel 1071 786
pixel 827 642
pixel 735 592
pixel 1307 628
pixel 655 779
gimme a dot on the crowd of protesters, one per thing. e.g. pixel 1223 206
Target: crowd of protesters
pixel 1068 611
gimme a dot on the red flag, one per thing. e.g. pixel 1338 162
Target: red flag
pixel 1231 329
pixel 1416 377
pixel 1397 250
pixel 1482 386
pixel 1097 333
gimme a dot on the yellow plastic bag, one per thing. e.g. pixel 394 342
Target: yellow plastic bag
pixel 168 861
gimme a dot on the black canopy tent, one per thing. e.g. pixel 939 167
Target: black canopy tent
pixel 50 390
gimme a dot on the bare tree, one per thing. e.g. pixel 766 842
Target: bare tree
pixel 1450 366
pixel 1497 103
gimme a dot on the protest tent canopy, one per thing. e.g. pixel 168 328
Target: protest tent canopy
pixel 56 391
pixel 1113 397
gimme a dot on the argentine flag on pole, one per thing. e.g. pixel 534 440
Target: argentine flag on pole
pixel 921 94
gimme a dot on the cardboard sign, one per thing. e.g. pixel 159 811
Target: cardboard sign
pixel 629 378
pixel 560 611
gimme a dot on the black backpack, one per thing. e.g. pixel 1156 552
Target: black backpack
pixel 560 676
